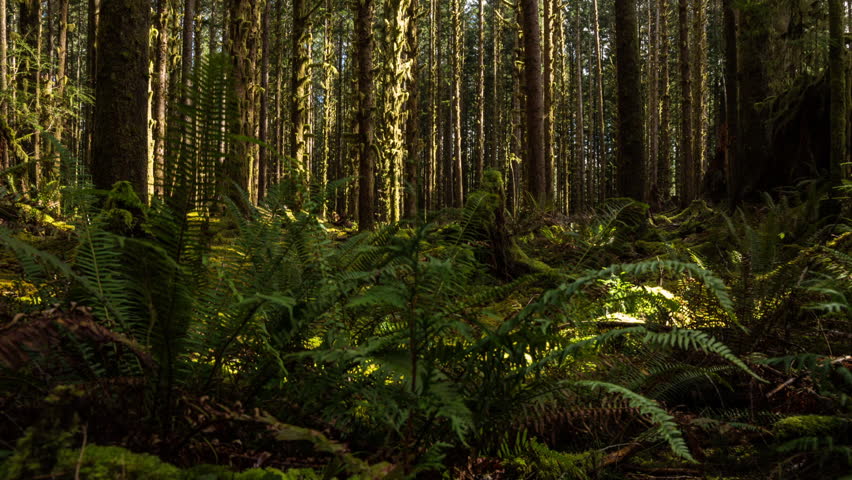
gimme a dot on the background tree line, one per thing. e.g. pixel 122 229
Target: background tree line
pixel 658 100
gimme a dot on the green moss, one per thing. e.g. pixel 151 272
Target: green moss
pixel 809 426
pixel 111 463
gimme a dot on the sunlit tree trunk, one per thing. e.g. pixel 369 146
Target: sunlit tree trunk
pixel 4 71
pixel 457 55
pixel 244 47
pixel 161 93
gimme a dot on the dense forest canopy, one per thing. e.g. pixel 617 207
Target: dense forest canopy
pixel 304 239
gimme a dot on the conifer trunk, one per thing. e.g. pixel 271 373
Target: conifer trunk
pixel 631 150
pixel 535 166
pixel 120 130
pixel 366 148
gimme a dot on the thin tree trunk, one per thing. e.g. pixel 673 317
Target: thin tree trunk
pixel 480 95
pixel 837 81
pixel 432 140
pixel 457 62
pixel 578 199
pixel 653 99
pixel 262 157
pixel 686 165
pixel 631 150
pixel 4 69
pixel 30 34
pixel 299 79
pixel 664 172
pixel 161 94
pixel 699 94
pixel 601 113
pixel 547 59
pixel 366 102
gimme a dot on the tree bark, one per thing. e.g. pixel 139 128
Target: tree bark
pixel 412 127
pixel 4 69
pixel 837 82
pixel 480 94
pixel 631 149
pixel 364 114
pixel 120 130
pixel 601 113
pixel 188 35
pixel 161 94
pixel 664 164
pixel 732 111
pixel 244 48
pixel 536 180
pixel 686 166
pixel 458 64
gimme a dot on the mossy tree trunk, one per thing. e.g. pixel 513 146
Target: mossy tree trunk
pixel 244 45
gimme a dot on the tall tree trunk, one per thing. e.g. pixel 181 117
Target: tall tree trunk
pixel 457 27
pixel 412 127
pixel 4 69
pixel 536 186
pixel 664 164
pixel 429 194
pixel 686 164
pixel 29 27
pixel 732 111
pixel 600 112
pixel 364 115
pixel 496 124
pixel 699 94
pixel 262 157
pixel 631 149
pixel 120 130
pixel 578 197
pixel 188 35
pixel 752 159
pixel 299 79
pixel 480 94
pixel 653 99
pixel 92 62
pixel 245 45
pixel 837 81
pixel 161 94
pixel 547 59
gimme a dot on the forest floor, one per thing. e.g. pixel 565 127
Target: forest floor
pixel 620 345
